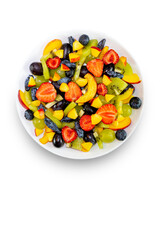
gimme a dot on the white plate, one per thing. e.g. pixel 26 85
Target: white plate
pixel 95 151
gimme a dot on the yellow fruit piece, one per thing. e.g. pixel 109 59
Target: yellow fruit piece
pixel 44 139
pixel 48 130
pixel 56 77
pixel 95 118
pixel 91 91
pixel 59 53
pixel 36 103
pixel 74 57
pixel 96 103
pixel 79 52
pixel 77 45
pixel 95 51
pixel 31 82
pixel 106 80
pixel 39 114
pixel 120 118
pixel 50 136
pixel 119 110
pixel 108 97
pixel 133 78
pixel 64 87
pixel 52 45
pixel 58 114
pixel 38 131
pixel 81 82
pixel 103 52
pixel 64 68
pixel 73 114
pixel 98 129
pixel 87 146
pixel 128 99
pixel 125 95
pixel 123 60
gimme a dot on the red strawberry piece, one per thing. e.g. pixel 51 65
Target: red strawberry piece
pixel 69 134
pixel 101 89
pixel 95 66
pixel 111 57
pixel 53 63
pixel 108 113
pixel 86 123
pixel 73 93
pixel 46 92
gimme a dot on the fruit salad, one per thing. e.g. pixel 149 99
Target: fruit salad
pixel 80 93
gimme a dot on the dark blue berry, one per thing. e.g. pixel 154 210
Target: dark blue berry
pixel 58 140
pixel 88 109
pixel 26 83
pixel 114 74
pixel 108 67
pixel 41 106
pixel 36 68
pixel 67 119
pixel 52 125
pixel 128 86
pixel 84 39
pixel 67 48
pixel 64 80
pixel 70 73
pixel 78 129
pixel 135 102
pixel 33 93
pixel 28 114
pixel 71 40
pixel 83 71
pixel 68 64
pixel 121 134
pixel 101 44
pixel 89 137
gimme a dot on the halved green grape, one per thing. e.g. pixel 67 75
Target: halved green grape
pixel 99 142
pixel 39 123
pixel 127 110
pixel 102 125
pixel 119 105
pixel 77 143
pixel 69 108
pixel 39 80
pixel 107 136
pixel 46 73
pixel 49 114
pixel 57 70
pixel 98 79
pixel 68 124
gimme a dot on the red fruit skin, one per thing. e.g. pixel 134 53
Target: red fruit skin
pixel 111 57
pixel 95 66
pixel 53 63
pixel 108 113
pixel 65 68
pixel 74 92
pixel 101 89
pixel 86 123
pixel 68 134
pixel 46 92
pixel 20 100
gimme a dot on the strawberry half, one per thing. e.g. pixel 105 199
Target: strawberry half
pixel 86 123
pixel 46 92
pixel 73 93
pixel 68 134
pixel 111 57
pixel 101 89
pixel 108 113
pixel 53 63
pixel 95 66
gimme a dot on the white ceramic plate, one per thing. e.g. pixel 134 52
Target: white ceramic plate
pixel 95 151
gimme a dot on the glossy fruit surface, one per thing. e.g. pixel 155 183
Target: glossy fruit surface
pixel 88 109
pixel 95 66
pixel 135 102
pixel 71 40
pixel 121 134
pixel 52 125
pixel 107 136
pixel 89 137
pixel 60 105
pixel 101 44
pixel 128 86
pixel 83 71
pixel 116 86
pixel 74 92
pixel 86 123
pixel 64 80
pixel 33 93
pixel 27 88
pixel 108 113
pixel 68 134
pixel 39 123
pixel 84 39
pixel 70 73
pixel 67 49
pixel 114 74
pixel 110 57
pixel 78 129
pixel 127 110
pixel 58 140
pixel 101 89
pixel 36 68
pixel 28 114
pixel 108 67
pixel 53 63
pixel 46 92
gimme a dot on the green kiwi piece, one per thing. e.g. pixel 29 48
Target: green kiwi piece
pixel 116 86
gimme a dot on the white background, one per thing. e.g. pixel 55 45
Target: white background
pixel 43 196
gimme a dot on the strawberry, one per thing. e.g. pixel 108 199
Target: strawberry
pixel 86 123
pixel 73 93
pixel 101 89
pixel 69 134
pixel 53 63
pixel 108 113
pixel 46 92
pixel 110 57
pixel 95 66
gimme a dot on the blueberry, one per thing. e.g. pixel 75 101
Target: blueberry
pixel 42 106
pixel 67 49
pixel 64 80
pixel 36 68
pixel 67 119
pixel 84 39
pixel 52 125
pixel 68 64
pixel 78 129
pixel 89 137
pixel 135 102
pixel 88 109
pixel 26 82
pixel 28 114
pixel 70 73
pixel 83 71
pixel 108 67
pixel 58 140
pixel 128 86
pixel 121 134
pixel 33 93
pixel 56 85
pixel 114 74
pixel 71 40
pixel 61 105
pixel 101 44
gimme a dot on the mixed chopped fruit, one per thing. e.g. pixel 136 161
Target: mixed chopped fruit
pixel 80 93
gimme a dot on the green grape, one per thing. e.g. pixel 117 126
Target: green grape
pixel 99 142
pixel 102 125
pixel 39 123
pixel 68 124
pixel 78 109
pixel 49 114
pixel 69 108
pixel 103 100
pixel 107 136
pixel 39 80
pixel 77 143
pixel 127 110
pixel 57 70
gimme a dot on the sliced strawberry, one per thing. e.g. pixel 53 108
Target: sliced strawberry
pixel 95 66
pixel 46 92
pixel 73 93
pixel 68 134
pixel 101 89
pixel 110 57
pixel 108 113
pixel 86 123
pixel 53 63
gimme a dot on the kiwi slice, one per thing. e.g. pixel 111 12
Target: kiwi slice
pixel 119 67
pixel 116 86
pixel 77 143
